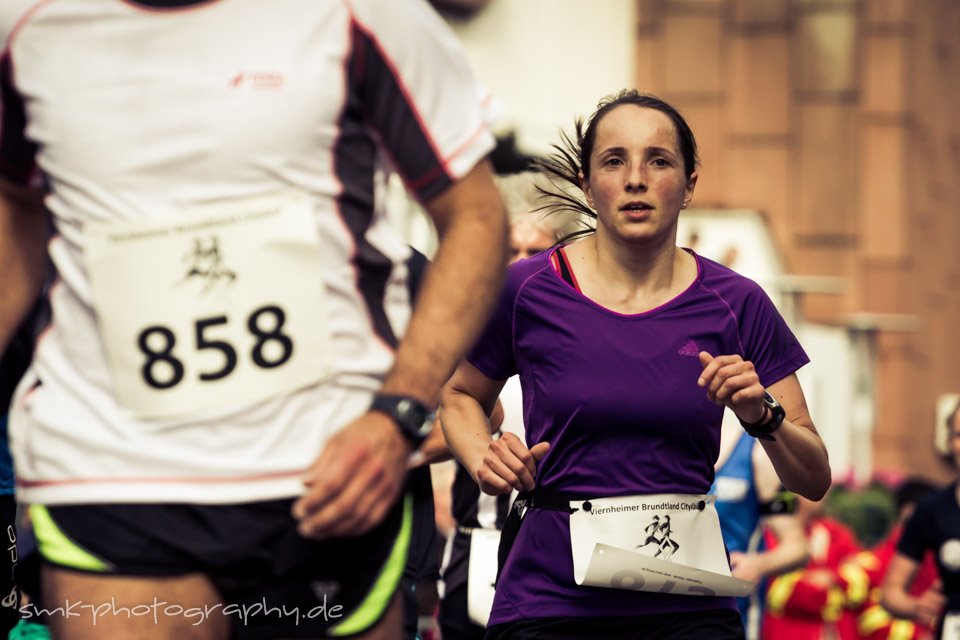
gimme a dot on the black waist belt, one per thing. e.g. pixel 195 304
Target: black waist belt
pixel 536 499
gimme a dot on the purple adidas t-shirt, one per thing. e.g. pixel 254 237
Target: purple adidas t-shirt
pixel 616 397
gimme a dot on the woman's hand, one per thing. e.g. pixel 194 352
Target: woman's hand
pixel 732 381
pixel 797 453
pixel 509 465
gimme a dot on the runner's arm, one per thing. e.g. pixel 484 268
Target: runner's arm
pixel 459 289
pixel 798 454
pixel 790 552
pixel 497 466
pixel 361 470
pixel 468 398
pixel 435 448
pixel 896 598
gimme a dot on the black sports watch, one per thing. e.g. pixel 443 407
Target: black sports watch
pixel 413 417
pixel 773 415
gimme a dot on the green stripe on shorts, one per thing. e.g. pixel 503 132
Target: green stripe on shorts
pixel 375 604
pixel 56 547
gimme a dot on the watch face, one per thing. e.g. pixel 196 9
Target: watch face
pixel 773 422
pixel 406 409
pixel 769 400
pixel 416 416
pixel 412 417
pixel 777 413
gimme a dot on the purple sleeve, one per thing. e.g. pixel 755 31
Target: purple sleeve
pixel 493 354
pixel 767 340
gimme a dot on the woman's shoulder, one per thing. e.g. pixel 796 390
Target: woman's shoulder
pixel 722 281
pixel 716 273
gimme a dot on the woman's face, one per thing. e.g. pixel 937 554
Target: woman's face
pixel 637 183
pixel 527 240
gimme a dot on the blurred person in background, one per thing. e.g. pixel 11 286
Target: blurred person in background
pixel 22 553
pixel 812 603
pixel 628 348
pixel 934 526
pixel 533 229
pixel 874 622
pixel 13 363
pixel 750 502
pixel 842 598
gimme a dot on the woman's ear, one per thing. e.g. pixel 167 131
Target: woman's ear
pixel 585 187
pixel 691 185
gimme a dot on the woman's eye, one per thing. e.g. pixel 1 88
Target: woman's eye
pixel 661 162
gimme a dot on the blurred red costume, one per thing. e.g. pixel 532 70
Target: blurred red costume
pixel 873 621
pixel 809 603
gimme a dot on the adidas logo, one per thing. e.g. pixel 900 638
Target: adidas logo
pixel 690 349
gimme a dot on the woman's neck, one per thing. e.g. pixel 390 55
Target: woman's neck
pixel 641 266
pixel 630 278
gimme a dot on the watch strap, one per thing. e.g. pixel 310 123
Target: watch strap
pixel 412 417
pixel 770 421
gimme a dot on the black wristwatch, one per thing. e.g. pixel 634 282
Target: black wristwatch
pixel 770 421
pixel 413 417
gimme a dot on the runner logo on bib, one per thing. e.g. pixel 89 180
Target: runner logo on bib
pixel 222 304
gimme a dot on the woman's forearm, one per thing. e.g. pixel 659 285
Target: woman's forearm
pixel 466 428
pixel 800 458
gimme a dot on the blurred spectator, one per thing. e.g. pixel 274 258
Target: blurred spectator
pixel 13 363
pixel 933 526
pixel 749 500
pixel 874 622
pixel 811 603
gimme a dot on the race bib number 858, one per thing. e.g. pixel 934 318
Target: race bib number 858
pixel 222 304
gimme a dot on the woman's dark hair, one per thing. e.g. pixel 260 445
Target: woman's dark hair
pixel 572 156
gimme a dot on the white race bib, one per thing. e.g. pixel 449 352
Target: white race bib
pixel 668 543
pixel 482 574
pixel 222 304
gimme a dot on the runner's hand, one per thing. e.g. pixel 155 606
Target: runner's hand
pixel 509 465
pixel 929 605
pixel 355 481
pixel 746 566
pixel 731 381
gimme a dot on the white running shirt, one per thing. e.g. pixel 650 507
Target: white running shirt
pixel 228 293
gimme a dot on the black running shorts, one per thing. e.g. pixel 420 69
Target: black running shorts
pixel 274 582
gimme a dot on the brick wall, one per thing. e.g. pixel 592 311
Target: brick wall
pixel 839 120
